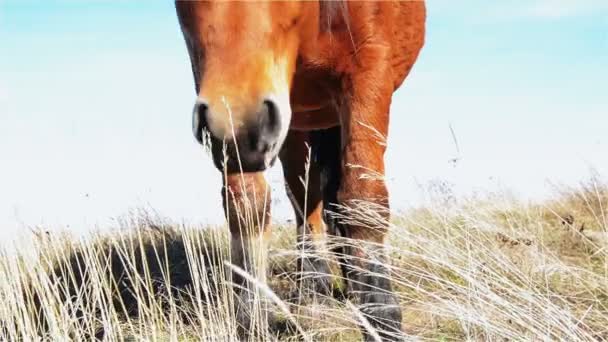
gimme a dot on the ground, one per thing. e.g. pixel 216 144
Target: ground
pixel 488 267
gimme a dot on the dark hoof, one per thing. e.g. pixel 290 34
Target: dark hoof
pixel 243 309
pixel 281 327
pixel 383 312
pixel 315 277
pixel 274 325
pixel 247 327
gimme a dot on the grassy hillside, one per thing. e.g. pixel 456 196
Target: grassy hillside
pixel 483 268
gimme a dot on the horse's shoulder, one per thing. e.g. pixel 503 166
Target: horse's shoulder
pixel 371 32
pixel 398 26
pixel 407 36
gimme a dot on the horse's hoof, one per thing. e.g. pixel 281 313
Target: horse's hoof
pixel 383 312
pixel 281 326
pixel 248 327
pixel 275 326
pixel 315 277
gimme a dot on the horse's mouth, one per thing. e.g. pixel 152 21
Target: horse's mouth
pixel 226 157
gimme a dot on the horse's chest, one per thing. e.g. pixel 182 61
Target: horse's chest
pixel 313 88
pixel 313 95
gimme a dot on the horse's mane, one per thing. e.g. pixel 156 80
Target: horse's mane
pixel 334 10
pixel 330 10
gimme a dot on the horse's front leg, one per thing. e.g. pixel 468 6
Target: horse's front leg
pixel 363 192
pixel 246 199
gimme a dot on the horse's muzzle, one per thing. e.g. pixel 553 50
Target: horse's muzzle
pixel 251 147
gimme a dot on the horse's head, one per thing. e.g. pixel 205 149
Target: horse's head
pixel 243 56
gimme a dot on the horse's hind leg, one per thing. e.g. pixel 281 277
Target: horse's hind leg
pixel 246 199
pixel 304 190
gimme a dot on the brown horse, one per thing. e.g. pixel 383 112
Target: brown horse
pixel 273 78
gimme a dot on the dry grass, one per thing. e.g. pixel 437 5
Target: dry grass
pixel 485 268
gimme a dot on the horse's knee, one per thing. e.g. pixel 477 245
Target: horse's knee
pixel 365 203
pixel 246 200
pixel 362 183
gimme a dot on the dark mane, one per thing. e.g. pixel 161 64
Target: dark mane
pixel 331 11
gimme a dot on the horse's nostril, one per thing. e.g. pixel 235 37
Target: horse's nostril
pixel 202 109
pixel 262 137
pixel 199 120
pixel 270 116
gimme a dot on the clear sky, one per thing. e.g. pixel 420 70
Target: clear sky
pixel 96 98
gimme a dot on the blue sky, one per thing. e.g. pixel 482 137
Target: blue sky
pixel 95 102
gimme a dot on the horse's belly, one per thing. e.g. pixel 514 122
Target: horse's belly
pixel 312 100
